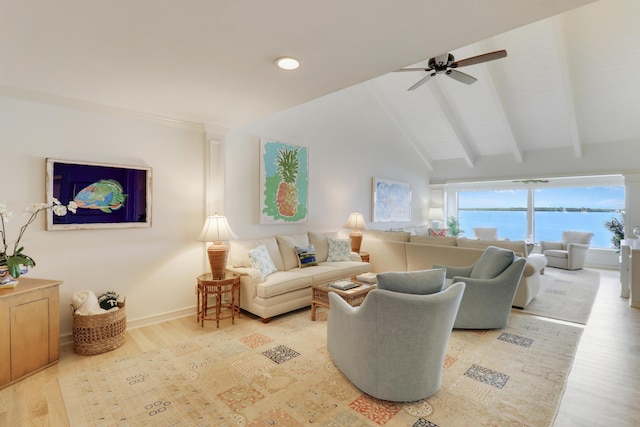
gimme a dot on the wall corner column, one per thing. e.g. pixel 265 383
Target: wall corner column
pixel 214 169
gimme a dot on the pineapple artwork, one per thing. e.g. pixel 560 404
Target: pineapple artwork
pixel 288 167
pixel 284 180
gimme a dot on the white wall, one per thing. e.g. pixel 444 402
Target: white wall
pixel 344 156
pixel 155 268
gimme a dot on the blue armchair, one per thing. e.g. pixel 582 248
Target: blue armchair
pixel 392 347
pixel 491 286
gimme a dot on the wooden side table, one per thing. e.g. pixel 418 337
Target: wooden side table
pixel 353 297
pixel 364 256
pixel 218 288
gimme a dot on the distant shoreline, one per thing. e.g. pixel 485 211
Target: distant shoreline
pixel 543 209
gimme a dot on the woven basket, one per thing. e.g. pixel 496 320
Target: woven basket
pixel 99 333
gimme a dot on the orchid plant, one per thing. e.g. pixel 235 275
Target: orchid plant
pixel 16 259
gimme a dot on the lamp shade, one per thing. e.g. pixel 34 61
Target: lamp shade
pixel 216 229
pixel 435 213
pixel 356 222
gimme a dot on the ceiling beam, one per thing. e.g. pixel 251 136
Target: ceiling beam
pixel 399 123
pixel 498 96
pixel 563 71
pixel 454 120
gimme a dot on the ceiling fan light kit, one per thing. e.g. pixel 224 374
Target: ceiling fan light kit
pixel 446 64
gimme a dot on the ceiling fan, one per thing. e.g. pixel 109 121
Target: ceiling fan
pixel 446 64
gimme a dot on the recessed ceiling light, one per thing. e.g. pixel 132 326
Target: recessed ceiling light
pixel 287 63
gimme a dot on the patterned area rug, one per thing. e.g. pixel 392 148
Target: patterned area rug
pixel 566 295
pixel 280 374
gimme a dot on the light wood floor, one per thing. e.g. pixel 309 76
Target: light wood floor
pixel 603 387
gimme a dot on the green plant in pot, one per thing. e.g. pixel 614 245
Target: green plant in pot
pixel 616 226
pixel 453 225
pixel 12 256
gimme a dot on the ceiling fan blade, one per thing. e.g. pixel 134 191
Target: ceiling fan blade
pixel 461 77
pixel 414 69
pixel 479 59
pixel 422 81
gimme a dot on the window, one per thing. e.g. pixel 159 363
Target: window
pixel 504 209
pixel 577 208
pixel 539 209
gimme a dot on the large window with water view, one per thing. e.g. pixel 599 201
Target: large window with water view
pixel 543 213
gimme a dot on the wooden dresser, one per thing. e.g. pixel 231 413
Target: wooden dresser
pixel 29 328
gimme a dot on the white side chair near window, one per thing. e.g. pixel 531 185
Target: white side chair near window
pixel 570 253
pixel 486 233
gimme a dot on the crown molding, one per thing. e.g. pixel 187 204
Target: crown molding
pixel 77 104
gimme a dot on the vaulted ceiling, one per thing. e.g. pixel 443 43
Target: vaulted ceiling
pixel 569 79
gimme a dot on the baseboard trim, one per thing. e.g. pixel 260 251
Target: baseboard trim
pixel 67 339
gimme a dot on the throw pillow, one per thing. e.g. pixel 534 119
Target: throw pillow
pixel 306 256
pixel 339 250
pixel 287 245
pixel 261 261
pixel 438 233
pixel 320 242
pixel 492 262
pixel 422 282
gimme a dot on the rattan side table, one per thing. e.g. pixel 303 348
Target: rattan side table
pixel 353 296
pixel 218 289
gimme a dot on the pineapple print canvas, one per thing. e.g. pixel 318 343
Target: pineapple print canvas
pixel 284 178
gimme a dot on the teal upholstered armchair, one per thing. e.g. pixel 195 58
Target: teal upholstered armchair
pixel 392 347
pixel 491 286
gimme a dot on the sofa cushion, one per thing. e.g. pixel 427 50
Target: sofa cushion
pixel 400 236
pixel 320 273
pixel 430 240
pixel 261 261
pixel 347 268
pixel 239 252
pixel 320 242
pixel 491 263
pixel 306 256
pixel 517 246
pixel 282 282
pixel 413 282
pixel 339 250
pixel 418 230
pixel 556 253
pixel 287 245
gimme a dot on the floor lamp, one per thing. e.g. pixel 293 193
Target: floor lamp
pixel 216 229
pixel 356 223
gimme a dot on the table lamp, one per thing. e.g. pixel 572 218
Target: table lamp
pixel 216 229
pixel 435 215
pixel 356 223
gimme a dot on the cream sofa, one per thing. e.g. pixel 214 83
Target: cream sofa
pixel 402 251
pixel 289 288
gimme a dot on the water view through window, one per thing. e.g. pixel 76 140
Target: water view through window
pixel 554 210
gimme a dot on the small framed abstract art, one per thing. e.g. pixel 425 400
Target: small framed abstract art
pixel 107 196
pixel 391 200
pixel 284 183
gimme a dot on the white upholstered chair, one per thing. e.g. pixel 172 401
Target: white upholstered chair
pixel 570 253
pixel 486 233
